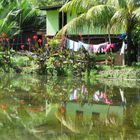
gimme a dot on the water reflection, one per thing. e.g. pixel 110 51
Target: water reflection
pixel 35 107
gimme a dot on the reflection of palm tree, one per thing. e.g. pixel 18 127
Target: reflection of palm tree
pixel 62 110
pixel 68 124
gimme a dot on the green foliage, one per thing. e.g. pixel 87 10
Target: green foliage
pixel 16 16
pixel 136 116
pixel 20 61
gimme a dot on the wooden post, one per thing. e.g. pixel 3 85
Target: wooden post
pixel 138 51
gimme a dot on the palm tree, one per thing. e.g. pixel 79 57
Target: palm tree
pixel 113 15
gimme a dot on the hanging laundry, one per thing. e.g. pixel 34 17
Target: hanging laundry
pixel 123 36
pixel 70 44
pixel 103 46
pixel 76 46
pixel 90 49
pixel 99 47
pixel 109 46
pixel 86 46
pixel 124 46
pixel 73 45
pixel 96 48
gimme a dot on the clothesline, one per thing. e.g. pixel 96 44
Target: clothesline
pixel 91 48
pixel 103 47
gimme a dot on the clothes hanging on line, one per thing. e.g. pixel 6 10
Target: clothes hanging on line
pixel 76 46
pixel 124 46
pixel 109 46
pixel 73 45
pixel 86 46
pixel 99 48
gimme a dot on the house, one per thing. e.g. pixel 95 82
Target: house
pixel 55 20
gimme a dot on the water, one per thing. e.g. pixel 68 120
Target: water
pixel 40 108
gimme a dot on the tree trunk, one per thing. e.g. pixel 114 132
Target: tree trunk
pixel 129 46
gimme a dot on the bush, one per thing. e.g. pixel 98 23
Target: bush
pixel 20 61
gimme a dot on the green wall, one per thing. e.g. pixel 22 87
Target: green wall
pixel 52 22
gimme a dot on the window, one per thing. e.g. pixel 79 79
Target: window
pixel 62 19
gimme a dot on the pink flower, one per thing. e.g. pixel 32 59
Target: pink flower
pixel 7 39
pixel 22 46
pixel 29 40
pixel 35 37
pixel 40 40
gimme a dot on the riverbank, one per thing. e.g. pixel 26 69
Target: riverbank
pixel 29 64
pixel 119 72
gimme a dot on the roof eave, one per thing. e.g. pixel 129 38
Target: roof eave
pixel 48 8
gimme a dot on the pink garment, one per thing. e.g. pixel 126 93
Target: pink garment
pixel 91 48
pixel 109 46
pixel 105 99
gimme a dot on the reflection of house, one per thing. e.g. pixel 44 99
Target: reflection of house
pixel 89 111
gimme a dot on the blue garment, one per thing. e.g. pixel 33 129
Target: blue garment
pixel 123 36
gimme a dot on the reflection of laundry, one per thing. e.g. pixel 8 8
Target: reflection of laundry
pixel 97 96
pixel 48 107
pixel 102 97
pixel 122 96
pixel 74 95
pixel 84 89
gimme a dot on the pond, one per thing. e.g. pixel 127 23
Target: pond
pixel 39 108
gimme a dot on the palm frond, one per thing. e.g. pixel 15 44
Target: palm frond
pixel 135 3
pixel 137 13
pixel 80 6
pixel 100 15
pixel 117 3
pixel 73 7
pixel 74 24
pixel 118 21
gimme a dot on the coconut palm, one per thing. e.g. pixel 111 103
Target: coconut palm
pixel 112 15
